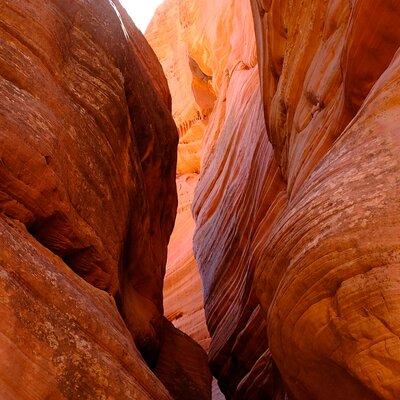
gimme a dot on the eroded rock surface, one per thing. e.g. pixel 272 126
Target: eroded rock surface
pixel 182 366
pixel 207 43
pixel 61 338
pixel 327 273
pixel 87 203
pixel 193 100
pixel 183 289
pixel 297 218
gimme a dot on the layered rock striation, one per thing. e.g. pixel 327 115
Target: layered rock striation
pixel 209 39
pixel 87 205
pixel 193 98
pixel 297 219
pixel 327 272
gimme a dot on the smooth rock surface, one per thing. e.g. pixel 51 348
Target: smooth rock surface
pixel 193 99
pixel 87 204
pixel 183 290
pixel 215 42
pixel 182 366
pixel 327 272
pixel 297 216
pixel 78 170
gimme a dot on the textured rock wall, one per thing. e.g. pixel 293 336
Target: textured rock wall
pixel 220 44
pixel 61 338
pixel 193 93
pixel 297 216
pixel 327 272
pixel 182 366
pixel 183 290
pixel 191 40
pixel 87 205
pixel 229 202
pixel 308 206
pixel 193 99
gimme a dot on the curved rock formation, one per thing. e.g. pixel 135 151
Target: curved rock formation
pixel 183 290
pixel 171 34
pixel 87 205
pixel 297 217
pixel 62 338
pixel 206 43
pixel 182 366
pixel 193 93
pixel 193 99
pixel 327 272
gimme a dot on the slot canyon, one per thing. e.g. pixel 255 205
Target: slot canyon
pixel 207 210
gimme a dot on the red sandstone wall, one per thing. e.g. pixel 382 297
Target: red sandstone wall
pixel 87 206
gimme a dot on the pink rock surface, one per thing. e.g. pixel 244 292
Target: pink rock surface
pixel 206 44
pixel 193 98
pixel 183 289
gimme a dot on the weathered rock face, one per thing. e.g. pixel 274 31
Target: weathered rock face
pixel 87 190
pixel 183 367
pixel 230 200
pixel 298 222
pixel 327 271
pixel 192 102
pixel 171 34
pixel 205 43
pixel 183 290
pixel 61 338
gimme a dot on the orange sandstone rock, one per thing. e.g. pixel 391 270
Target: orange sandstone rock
pixel 193 93
pixel 182 366
pixel 206 44
pixel 327 275
pixel 192 102
pixel 297 218
pixel 62 338
pixel 183 290
pixel 297 232
pixel 87 204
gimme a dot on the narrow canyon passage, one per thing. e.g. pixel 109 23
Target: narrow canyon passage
pixel 205 211
pixel 269 98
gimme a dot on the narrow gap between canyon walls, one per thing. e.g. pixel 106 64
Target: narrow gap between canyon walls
pixel 207 210
pixel 263 104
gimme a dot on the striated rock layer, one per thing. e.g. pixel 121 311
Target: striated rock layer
pixel 183 290
pixel 297 218
pixel 327 272
pixel 207 44
pixel 193 99
pixel 228 202
pixel 87 205
pixel 171 34
pixel 62 338
pixel 297 215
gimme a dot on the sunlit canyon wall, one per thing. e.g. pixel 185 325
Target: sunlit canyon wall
pixel 297 216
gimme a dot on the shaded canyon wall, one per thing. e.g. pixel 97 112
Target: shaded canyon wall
pixel 87 205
